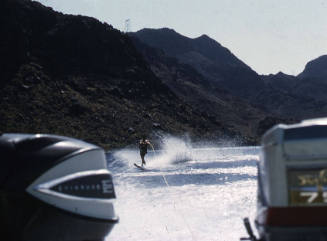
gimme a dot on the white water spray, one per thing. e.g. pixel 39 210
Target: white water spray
pixel 173 150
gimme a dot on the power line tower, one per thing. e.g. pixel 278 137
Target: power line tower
pixel 127 25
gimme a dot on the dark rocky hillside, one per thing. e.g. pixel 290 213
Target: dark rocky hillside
pixel 304 95
pixel 204 95
pixel 215 62
pixel 313 80
pixel 316 68
pixel 75 76
pixel 280 95
pixel 280 81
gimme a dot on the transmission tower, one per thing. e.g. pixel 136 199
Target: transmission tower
pixel 127 25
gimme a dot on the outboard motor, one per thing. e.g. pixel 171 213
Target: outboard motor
pixel 292 182
pixel 54 188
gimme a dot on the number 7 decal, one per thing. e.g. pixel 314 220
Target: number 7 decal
pixel 312 196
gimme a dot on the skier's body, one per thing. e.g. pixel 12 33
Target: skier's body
pixel 143 146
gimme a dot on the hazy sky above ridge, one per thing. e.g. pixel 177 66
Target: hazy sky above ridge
pixel 268 35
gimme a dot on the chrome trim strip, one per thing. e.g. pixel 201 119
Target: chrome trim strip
pixel 46 187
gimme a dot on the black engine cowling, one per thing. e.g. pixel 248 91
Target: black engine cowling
pixel 54 188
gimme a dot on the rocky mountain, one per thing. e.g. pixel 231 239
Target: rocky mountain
pixel 315 69
pixel 313 80
pixel 205 96
pixel 305 94
pixel 75 76
pixel 213 61
pixel 279 95
pixel 280 81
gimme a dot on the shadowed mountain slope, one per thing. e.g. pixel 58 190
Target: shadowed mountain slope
pixel 75 76
pixel 316 68
pixel 215 62
pixel 273 94
pixel 307 91
pixel 206 97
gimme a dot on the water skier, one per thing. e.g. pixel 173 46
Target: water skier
pixel 143 146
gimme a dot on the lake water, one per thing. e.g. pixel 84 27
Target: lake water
pixel 185 194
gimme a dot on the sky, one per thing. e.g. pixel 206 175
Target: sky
pixel 268 35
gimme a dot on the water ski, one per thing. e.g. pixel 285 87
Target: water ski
pixel 140 167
